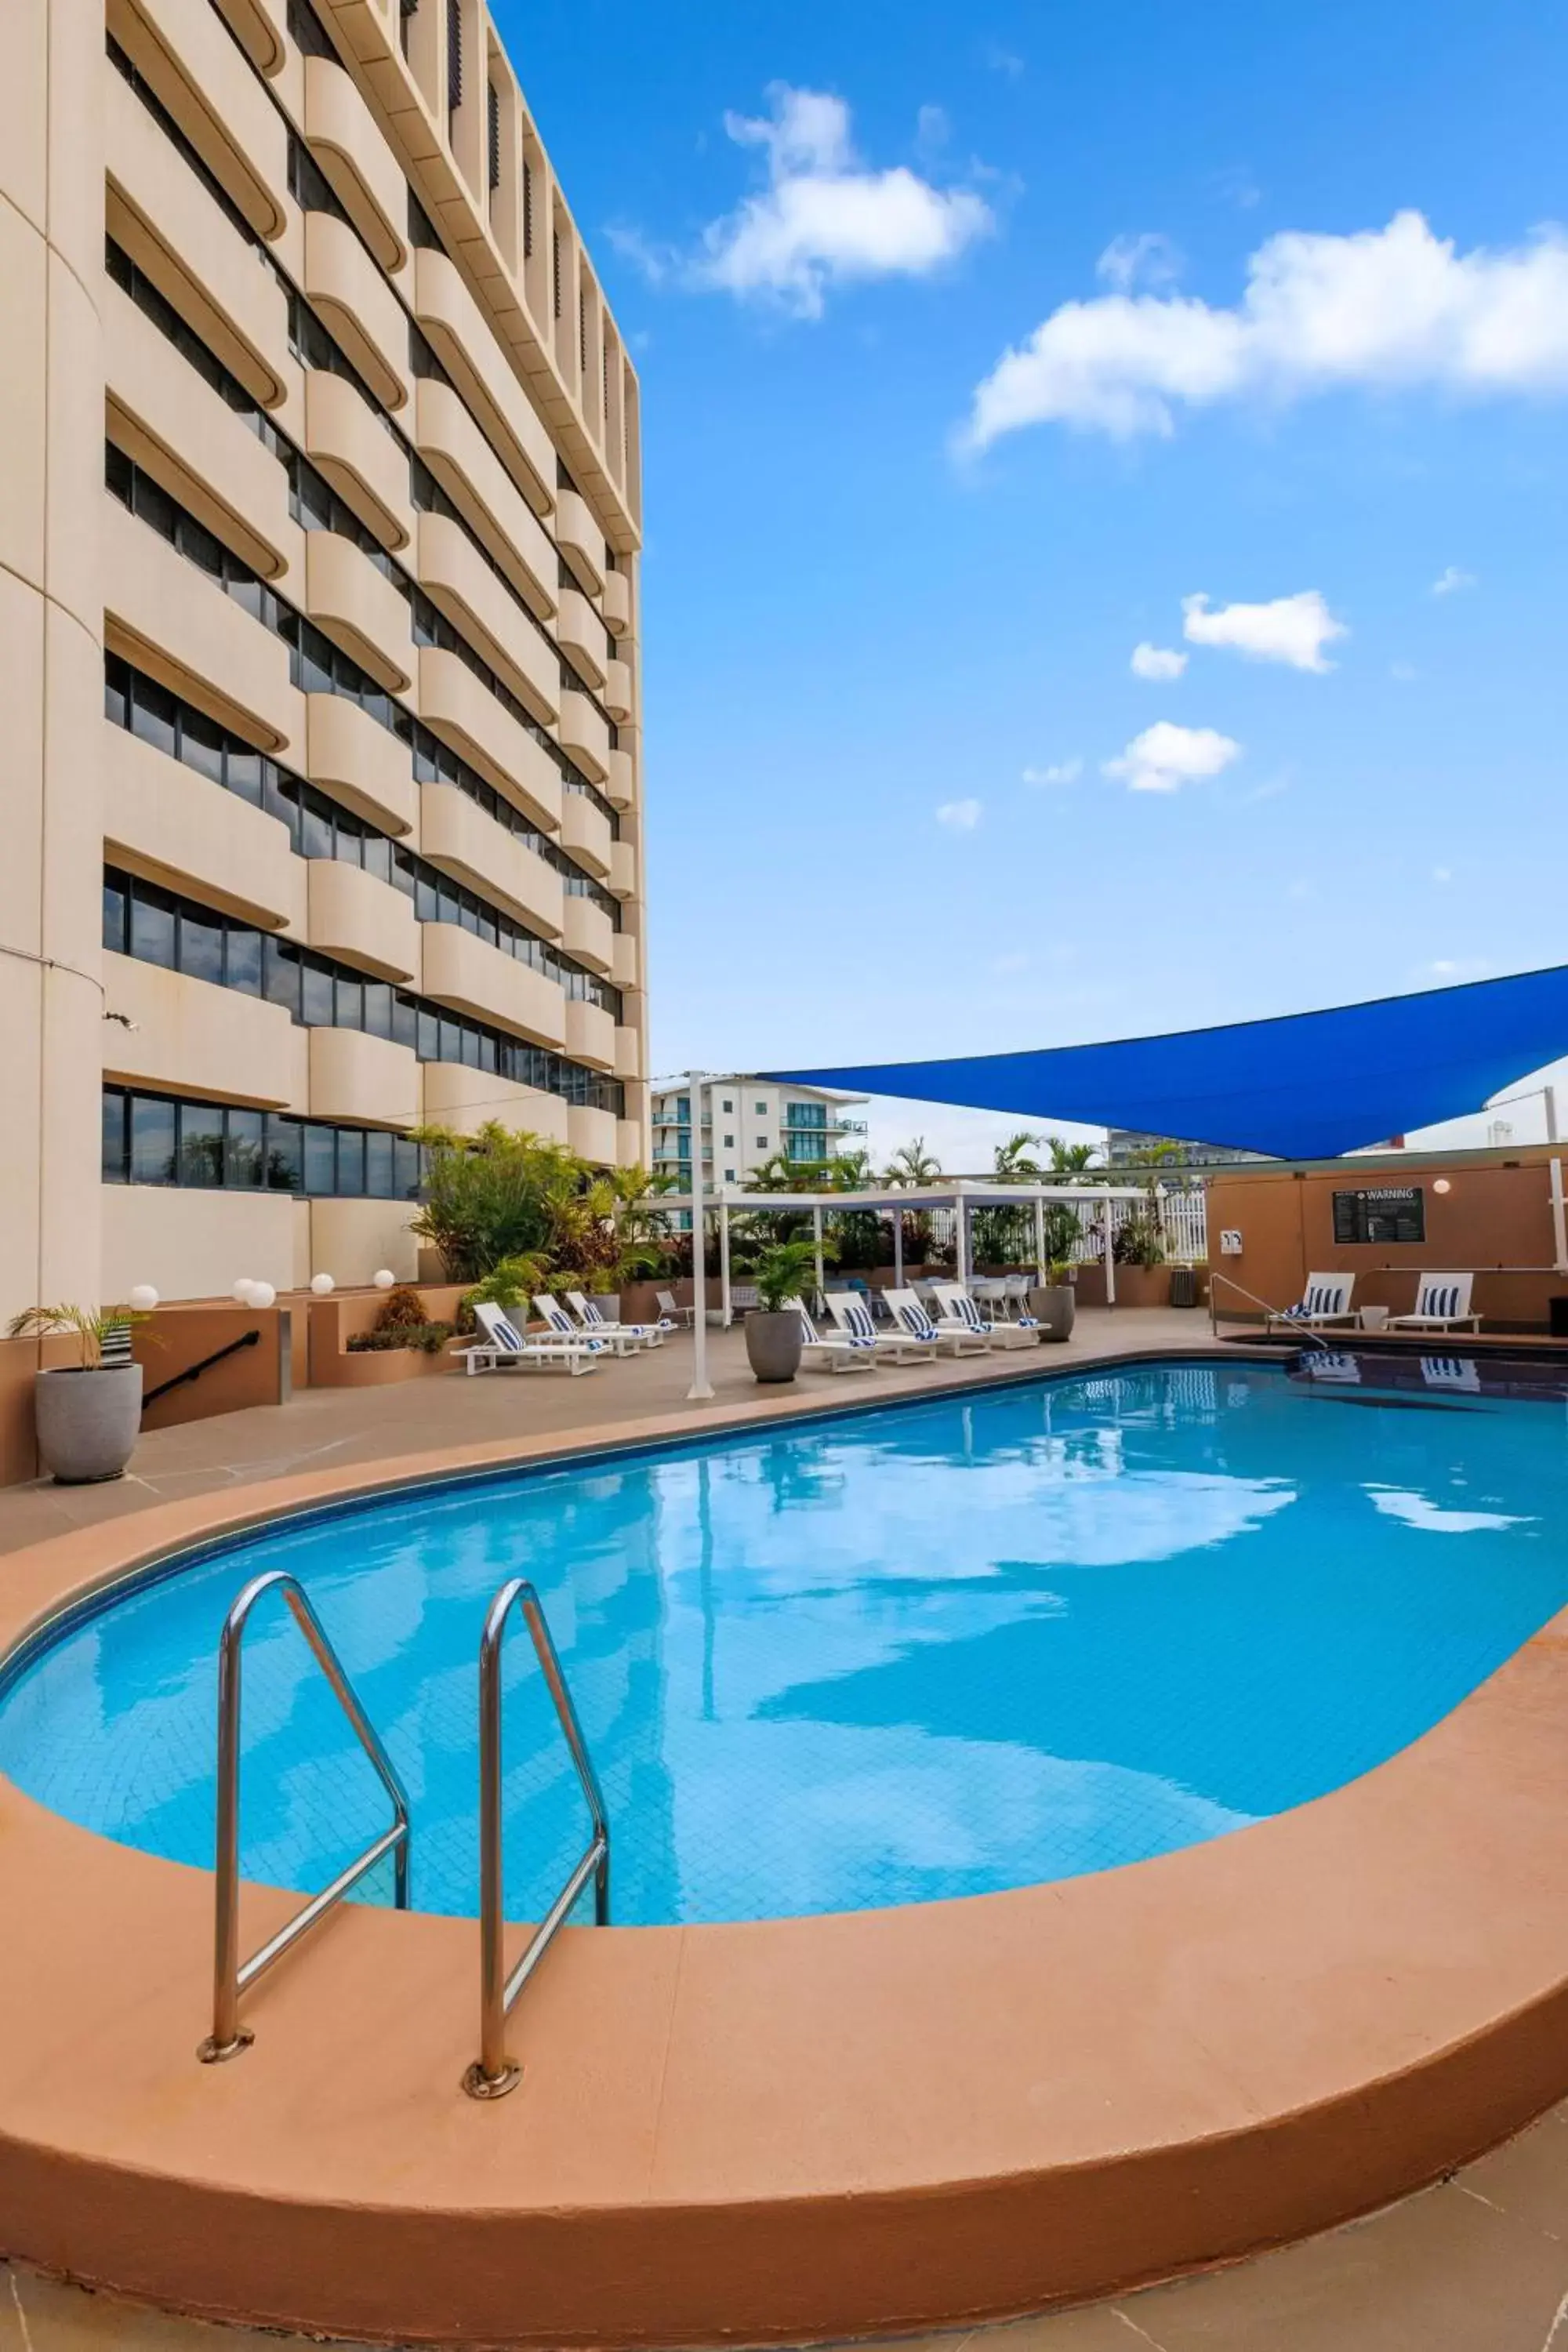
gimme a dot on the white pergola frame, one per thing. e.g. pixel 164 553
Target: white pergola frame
pixel 962 1194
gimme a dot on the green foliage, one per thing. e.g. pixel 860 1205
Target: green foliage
pixel 912 1164
pixel 1138 1243
pixel 90 1325
pixel 782 1271
pixel 497 1196
pixel 510 1285
pixel 429 1337
pixel 404 1309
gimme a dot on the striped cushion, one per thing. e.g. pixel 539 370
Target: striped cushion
pixel 857 1321
pixel 114 1348
pixel 1441 1298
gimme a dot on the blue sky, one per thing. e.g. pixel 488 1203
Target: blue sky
pixel 823 231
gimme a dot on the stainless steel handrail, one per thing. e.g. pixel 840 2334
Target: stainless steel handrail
pixel 231 1976
pixel 1271 1314
pixel 494 2073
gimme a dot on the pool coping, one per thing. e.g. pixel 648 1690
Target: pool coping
pixel 784 2129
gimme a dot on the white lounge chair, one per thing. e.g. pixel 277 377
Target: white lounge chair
pixel 957 1338
pixel 503 1346
pixel 598 1327
pixel 1325 1302
pixel 664 1301
pixel 570 1334
pixel 899 1346
pixel 1452 1372
pixel 957 1307
pixel 839 1352
pixel 1442 1304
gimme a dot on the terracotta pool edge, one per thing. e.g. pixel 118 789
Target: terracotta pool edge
pixel 804 2263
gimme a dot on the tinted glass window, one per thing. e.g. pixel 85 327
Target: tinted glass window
pixel 351 1162
pixel 153 926
pixel 378 1166
pixel 320 1159
pixel 153 714
pixel 244 967
pixel 116 913
pixel 243 1159
pixel 280 969
pixel 116 1133
pixel 316 998
pixel 285 1155
pixel 201 944
pixel 201 743
pixel 201 1144
pixel 152 1140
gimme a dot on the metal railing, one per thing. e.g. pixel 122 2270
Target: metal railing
pixel 195 1371
pixel 494 2073
pixel 1271 1315
pixel 232 1976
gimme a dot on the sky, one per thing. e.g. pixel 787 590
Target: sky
pixel 1106 508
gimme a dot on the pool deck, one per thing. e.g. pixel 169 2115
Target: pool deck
pixel 1075 2084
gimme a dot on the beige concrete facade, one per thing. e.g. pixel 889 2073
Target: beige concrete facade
pixel 320 639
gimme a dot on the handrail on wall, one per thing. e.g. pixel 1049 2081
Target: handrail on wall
pixel 231 1976
pixel 494 2073
pixel 1271 1314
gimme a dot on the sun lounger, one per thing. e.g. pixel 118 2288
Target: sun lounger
pixel 840 1352
pixel 570 1334
pixel 899 1346
pixel 1326 1301
pixel 956 1306
pixel 664 1301
pixel 1442 1304
pixel 589 1319
pixel 954 1338
pixel 503 1347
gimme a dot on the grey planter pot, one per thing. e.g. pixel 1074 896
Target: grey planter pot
pixel 774 1345
pixel 88 1421
pixel 1053 1309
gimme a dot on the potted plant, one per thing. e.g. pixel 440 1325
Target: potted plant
pixel 1055 1302
pixel 773 1335
pixel 87 1413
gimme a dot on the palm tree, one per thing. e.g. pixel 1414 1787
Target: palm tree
pixel 911 1163
pixel 1069 1159
pixel 1016 1162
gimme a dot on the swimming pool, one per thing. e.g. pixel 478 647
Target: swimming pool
pixel 939 1649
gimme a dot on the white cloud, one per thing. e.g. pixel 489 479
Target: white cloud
pixel 1003 60
pixel 1383 308
pixel 1291 629
pixel 1450 579
pixel 1448 969
pixel 1165 756
pixel 1060 771
pixel 823 219
pixel 1157 662
pixel 959 816
pixel 1149 259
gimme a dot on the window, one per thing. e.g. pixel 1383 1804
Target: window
pixel 151 1138
pixel 762 1143
pixel 729 1175
pixel 729 1143
pixel 729 1104
pixel 492 125
pixel 527 210
pixel 761 1110
pixel 454 57
pixel 406 8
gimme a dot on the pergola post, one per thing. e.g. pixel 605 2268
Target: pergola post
pixel 700 1392
pixel 726 1311
pixel 1109 1255
pixel 898 1249
pixel 960 1247
pixel 1041 1271
pixel 817 1240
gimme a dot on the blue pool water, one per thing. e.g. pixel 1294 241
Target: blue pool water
pixel 936 1649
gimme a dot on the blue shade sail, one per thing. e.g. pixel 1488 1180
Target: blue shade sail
pixel 1307 1085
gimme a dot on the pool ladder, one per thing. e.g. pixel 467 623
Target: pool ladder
pixel 494 2073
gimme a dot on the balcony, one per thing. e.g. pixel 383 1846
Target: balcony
pixel 484 493
pixel 357 304
pixel 159 211
pixel 617 695
pixel 257 27
pixel 617 602
pixel 623 960
pixel 592 1135
pixel 582 634
pixel 359 608
pixel 456 834
pixel 367 1080
pixel 620 787
pixel 624 869
pixel 586 832
pixel 471 976
pixel 462 340
pixel 358 916
pixel 584 735
pixel 360 763
pixel 590 1033
pixel 178 429
pixel 580 539
pixel 474 599
pixel 176 826
pixel 628 1053
pixel 587 934
pixel 190 63
pixel 631 1145
pixel 191 1038
pixel 459 707
pixel 365 464
pixel 173 621
pixel 346 141
pixel 464 1100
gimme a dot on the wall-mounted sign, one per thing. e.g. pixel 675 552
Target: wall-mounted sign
pixel 1230 1240
pixel 1384 1213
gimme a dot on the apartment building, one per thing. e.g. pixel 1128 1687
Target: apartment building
pixel 745 1121
pixel 320 511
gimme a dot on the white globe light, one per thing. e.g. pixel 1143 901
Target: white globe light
pixel 321 1284
pixel 242 1290
pixel 144 1297
pixel 262 1294
pixel 385 1278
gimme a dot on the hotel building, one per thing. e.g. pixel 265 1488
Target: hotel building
pixel 319 513
pixel 747 1120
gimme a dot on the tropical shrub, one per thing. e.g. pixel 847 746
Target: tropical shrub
pixel 782 1271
